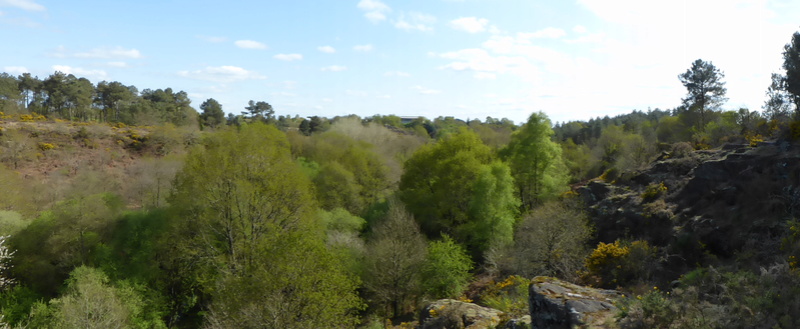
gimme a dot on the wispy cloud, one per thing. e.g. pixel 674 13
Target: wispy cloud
pixel 397 74
pixel 212 39
pixel 357 93
pixel 222 74
pixel 374 10
pixel 15 69
pixel 334 68
pixel 326 49
pixel 99 53
pixel 548 33
pixel 22 4
pixel 363 48
pixel 414 21
pixel 81 72
pixel 117 64
pixel 250 44
pixel 469 24
pixel 288 57
pixel 426 91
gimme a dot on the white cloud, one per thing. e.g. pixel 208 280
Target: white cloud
pixel 326 49
pixel 485 76
pixel 327 100
pixel 103 53
pixel 469 24
pixel 579 29
pixel 222 74
pixel 22 4
pixel 117 64
pixel 364 48
pixel 547 33
pixel 426 91
pixel 357 93
pixel 397 74
pixel 288 57
pixel 288 84
pixel 212 39
pixel 374 10
pixel 415 22
pixel 334 68
pixel 250 44
pixel 81 72
pixel 384 96
pixel 16 69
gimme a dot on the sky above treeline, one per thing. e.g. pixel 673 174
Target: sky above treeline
pixel 572 60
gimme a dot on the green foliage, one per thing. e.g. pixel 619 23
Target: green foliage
pixel 446 270
pixel 91 301
pixel 351 174
pixel 340 220
pixel 535 161
pixel 455 186
pixel 791 63
pixel 616 264
pixel 212 114
pixel 246 221
pixel 705 90
pixel 653 191
pixel 509 296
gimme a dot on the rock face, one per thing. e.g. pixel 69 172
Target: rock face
pixel 556 304
pixel 453 314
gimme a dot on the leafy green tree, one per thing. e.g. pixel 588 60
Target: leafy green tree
pixel 535 161
pixel 91 301
pixel 705 89
pixel 259 110
pixel 446 270
pixel 110 96
pixel 248 232
pixel 778 103
pixel 457 187
pixel 9 93
pixel 305 127
pixel 212 114
pixel 30 87
pixel 168 106
pixel 791 62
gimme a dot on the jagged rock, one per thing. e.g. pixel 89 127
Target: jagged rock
pixel 453 314
pixel 557 304
pixel 521 323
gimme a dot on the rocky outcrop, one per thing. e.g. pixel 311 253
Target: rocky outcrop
pixel 556 304
pixel 453 314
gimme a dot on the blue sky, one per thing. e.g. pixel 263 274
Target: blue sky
pixel 572 60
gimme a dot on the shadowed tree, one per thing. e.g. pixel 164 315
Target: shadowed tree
pixel 791 62
pixel 705 89
pixel 211 114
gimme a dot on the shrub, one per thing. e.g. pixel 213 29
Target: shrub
pixel 46 146
pixel 446 270
pixel 653 191
pixel 509 296
pixel 618 263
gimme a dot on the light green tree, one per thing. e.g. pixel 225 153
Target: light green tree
pixel 247 219
pixel 535 161
pixel 457 187
pixel 446 270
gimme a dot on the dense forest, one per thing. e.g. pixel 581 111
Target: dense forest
pixel 124 208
